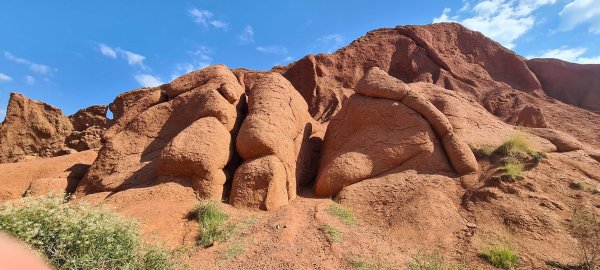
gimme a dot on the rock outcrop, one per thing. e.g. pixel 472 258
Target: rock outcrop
pixel 531 116
pixel 150 137
pixel 32 128
pixel 387 126
pixel 274 142
pixel 570 83
pixel 89 125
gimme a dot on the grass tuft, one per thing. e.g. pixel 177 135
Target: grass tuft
pixel 515 146
pixel 577 185
pixel 345 215
pixel 332 233
pixel 585 227
pixel 432 261
pixel 214 225
pixel 501 257
pixel 483 151
pixel 76 236
pixel 512 170
pixel 359 264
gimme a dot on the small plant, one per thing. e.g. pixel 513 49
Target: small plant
pixel 76 236
pixel 233 251
pixel 516 146
pixel 483 152
pixel 501 257
pixel 585 227
pixel 345 215
pixel 433 261
pixel 512 170
pixel 214 225
pixel 332 233
pixel 359 264
pixel 577 185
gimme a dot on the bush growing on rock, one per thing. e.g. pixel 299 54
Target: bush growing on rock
pixel 75 236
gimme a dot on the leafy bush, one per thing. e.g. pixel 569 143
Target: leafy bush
pixel 75 236
pixel 332 233
pixel 345 215
pixel 585 227
pixel 432 261
pixel 501 257
pixel 214 225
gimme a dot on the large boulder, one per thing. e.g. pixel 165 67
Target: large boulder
pixel 32 128
pixel 387 126
pixel 147 133
pixel 89 125
pixel 274 142
pixel 531 116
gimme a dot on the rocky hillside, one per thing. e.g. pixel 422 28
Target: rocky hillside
pixel 438 138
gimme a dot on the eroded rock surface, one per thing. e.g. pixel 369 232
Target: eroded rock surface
pixel 384 126
pixel 32 128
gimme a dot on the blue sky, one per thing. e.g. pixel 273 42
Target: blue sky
pixel 73 54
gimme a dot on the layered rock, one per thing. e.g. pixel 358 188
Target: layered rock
pixel 387 126
pixel 32 128
pixel 150 134
pixel 570 83
pixel 274 142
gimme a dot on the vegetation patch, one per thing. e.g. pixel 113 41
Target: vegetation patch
pixel 332 233
pixel 345 215
pixel 76 236
pixel 214 224
pixel 577 185
pixel 360 264
pixel 500 257
pixel 585 227
pixel 433 261
pixel 483 152
pixel 233 251
pixel 512 170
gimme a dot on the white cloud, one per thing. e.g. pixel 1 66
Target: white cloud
pixel 247 35
pixel 147 80
pixel 274 49
pixel 204 18
pixel 39 68
pixel 574 55
pixel 581 12
pixel 29 80
pixel 328 43
pixel 504 21
pixel 133 59
pixel 107 51
pixel 201 59
pixel 4 77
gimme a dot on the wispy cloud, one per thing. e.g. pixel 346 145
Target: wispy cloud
pixel 273 49
pixel 147 80
pixel 107 51
pixel 247 35
pixel 29 79
pixel 205 18
pixel 4 77
pixel 201 58
pixel 35 67
pixel 504 21
pixel 328 43
pixel 133 59
pixel 581 12
pixel 575 55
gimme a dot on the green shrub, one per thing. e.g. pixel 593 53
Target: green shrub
pixel 432 261
pixel 512 169
pixel 585 227
pixel 345 215
pixel 516 146
pixel 332 233
pixel 75 236
pixel 214 225
pixel 501 257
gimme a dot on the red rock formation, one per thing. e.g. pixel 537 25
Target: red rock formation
pixel 570 83
pixel 32 128
pixel 531 116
